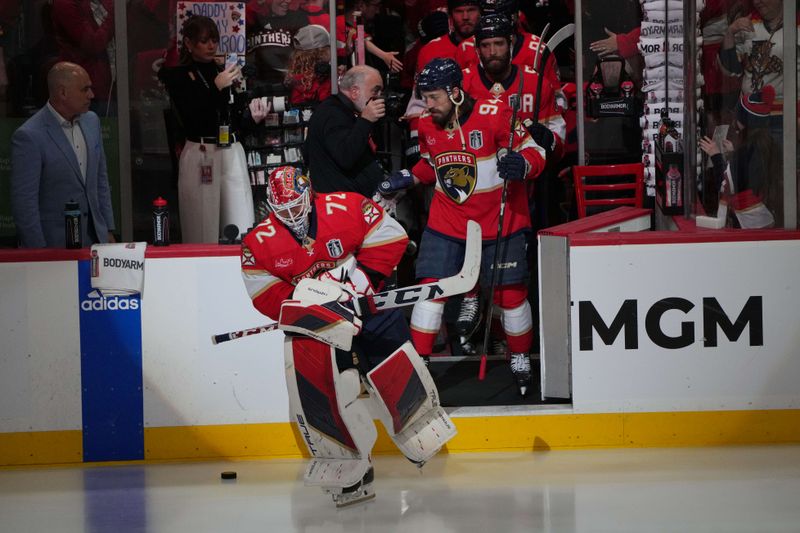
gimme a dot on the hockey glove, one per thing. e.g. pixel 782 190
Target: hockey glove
pixel 511 166
pixel 396 181
pixel 542 136
pixel 350 276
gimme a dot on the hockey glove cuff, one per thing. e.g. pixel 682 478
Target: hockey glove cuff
pixel 396 181
pixel 542 136
pixel 511 166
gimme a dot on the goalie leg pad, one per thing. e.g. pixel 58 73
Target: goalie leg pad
pixel 336 427
pixel 407 403
pixel 330 322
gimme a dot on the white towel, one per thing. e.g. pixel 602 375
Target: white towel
pixel 118 269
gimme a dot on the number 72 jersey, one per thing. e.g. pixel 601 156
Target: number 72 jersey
pixel 342 224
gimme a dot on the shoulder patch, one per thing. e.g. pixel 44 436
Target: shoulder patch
pixel 247 257
pixel 371 213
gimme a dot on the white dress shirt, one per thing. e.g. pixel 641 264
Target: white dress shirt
pixel 74 134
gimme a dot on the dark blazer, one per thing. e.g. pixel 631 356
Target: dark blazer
pixel 45 175
pixel 337 149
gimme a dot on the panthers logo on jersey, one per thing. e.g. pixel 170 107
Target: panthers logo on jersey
pixel 457 173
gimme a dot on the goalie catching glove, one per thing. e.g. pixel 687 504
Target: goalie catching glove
pixel 351 277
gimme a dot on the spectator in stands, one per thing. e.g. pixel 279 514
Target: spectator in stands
pixel 84 31
pixel 271 28
pixel 309 76
pixel 368 10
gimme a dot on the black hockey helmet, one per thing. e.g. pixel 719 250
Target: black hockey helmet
pixel 494 25
pixel 439 73
pixel 506 7
pixel 452 4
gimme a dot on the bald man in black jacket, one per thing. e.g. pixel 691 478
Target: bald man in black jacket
pixel 337 149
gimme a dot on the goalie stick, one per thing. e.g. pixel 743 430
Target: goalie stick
pixel 466 279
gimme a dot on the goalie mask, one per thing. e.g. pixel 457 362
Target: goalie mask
pixel 289 197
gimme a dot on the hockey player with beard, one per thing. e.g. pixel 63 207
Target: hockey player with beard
pixel 495 76
pixel 524 44
pixel 301 266
pixel 464 15
pixel 463 143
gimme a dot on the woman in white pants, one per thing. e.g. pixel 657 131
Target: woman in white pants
pixel 213 183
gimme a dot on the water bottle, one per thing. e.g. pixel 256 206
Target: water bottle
pixel 673 188
pixel 160 222
pixel 72 224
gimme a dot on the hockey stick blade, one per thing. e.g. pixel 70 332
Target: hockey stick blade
pixel 560 36
pixel 458 284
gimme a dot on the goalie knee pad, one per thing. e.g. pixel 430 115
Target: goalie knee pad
pixel 407 403
pixel 336 427
pixel 426 319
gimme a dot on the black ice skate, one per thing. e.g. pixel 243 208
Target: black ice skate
pixel 469 316
pixel 521 368
pixel 360 492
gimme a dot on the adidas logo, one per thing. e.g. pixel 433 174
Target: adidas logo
pixel 98 302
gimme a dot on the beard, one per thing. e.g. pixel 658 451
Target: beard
pixel 495 66
pixel 443 119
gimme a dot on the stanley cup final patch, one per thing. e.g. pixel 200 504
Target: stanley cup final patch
pixel 457 174
pixel 334 248
pixel 476 139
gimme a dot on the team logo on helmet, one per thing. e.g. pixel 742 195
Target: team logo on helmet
pixel 476 139
pixel 457 173
pixel 334 247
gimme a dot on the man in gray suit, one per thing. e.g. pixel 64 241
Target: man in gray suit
pixel 57 156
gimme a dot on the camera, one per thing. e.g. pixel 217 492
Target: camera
pixel 394 98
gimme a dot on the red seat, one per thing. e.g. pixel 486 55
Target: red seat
pixel 609 186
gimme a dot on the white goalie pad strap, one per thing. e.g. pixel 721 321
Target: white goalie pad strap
pixel 406 401
pixel 330 322
pixel 336 427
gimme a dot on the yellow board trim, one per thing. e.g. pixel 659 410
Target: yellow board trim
pixel 475 434
pixel 41 447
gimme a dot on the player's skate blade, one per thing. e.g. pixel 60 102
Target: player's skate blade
pixel 521 368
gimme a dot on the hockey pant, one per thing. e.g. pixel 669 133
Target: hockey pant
pixel 515 316
pixel 337 426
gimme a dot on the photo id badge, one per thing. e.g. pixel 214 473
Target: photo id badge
pixel 206 170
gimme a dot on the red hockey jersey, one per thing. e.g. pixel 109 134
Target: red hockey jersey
pixel 468 186
pixel 444 46
pixel 342 224
pixel 523 54
pixel 478 85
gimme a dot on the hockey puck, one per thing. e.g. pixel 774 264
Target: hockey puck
pixel 228 475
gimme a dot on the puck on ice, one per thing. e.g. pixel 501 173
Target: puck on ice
pixel 228 475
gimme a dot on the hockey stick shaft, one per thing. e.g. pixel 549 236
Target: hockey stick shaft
pixel 466 279
pixel 233 335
